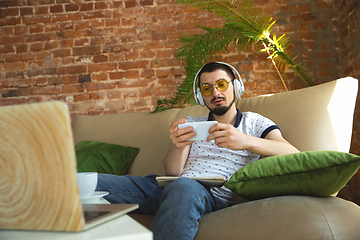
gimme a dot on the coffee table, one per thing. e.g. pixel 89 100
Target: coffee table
pixel 124 228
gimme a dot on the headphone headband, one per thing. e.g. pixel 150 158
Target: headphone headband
pixel 238 87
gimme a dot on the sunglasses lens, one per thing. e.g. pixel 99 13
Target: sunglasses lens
pixel 206 89
pixel 221 85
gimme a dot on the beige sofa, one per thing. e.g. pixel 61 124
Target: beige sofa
pixel 313 118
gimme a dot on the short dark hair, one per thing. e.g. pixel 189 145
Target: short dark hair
pixel 213 66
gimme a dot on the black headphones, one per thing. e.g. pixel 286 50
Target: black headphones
pixel 238 86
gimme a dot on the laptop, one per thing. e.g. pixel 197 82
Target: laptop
pixel 38 183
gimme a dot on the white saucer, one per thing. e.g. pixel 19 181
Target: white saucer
pixel 96 194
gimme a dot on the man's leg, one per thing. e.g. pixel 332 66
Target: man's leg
pixel 183 202
pixel 130 189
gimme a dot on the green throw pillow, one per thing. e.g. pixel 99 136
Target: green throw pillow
pixel 314 173
pixel 92 156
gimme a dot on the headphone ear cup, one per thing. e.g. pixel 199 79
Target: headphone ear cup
pixel 238 88
pixel 198 98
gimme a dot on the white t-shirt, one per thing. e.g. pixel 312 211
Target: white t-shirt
pixel 207 160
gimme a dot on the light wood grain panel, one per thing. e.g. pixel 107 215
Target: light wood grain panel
pixel 38 169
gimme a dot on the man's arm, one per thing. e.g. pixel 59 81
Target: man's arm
pixel 227 136
pixel 176 157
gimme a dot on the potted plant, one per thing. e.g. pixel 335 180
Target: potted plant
pixel 244 27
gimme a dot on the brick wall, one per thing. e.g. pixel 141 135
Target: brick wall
pixel 114 56
pixel 119 56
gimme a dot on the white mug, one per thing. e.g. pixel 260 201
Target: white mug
pixel 87 182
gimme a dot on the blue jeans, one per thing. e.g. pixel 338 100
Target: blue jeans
pixel 177 207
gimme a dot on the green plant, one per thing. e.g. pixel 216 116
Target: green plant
pixel 244 27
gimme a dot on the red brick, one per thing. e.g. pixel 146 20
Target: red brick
pixel 71 7
pixel 74 88
pixel 51 45
pixel 112 22
pixel 52 27
pixel 86 50
pixel 134 64
pixel 147 54
pixel 13 58
pixel 132 74
pixel 101 5
pixel 320 26
pixel 96 14
pixel 163 72
pixel 40 37
pixel 36 19
pixel 81 25
pixel 81 97
pixel 100 67
pixel 96 112
pixel 56 9
pixel 100 58
pixel 10 21
pixel 324 55
pixel 41 10
pixel 11 40
pixel 99 76
pixel 47 90
pixel 164 54
pixel 36 47
pixel 86 6
pixel 27 56
pixel 147 73
pixel 72 69
pixel 9 12
pixel 67 60
pixel 43 55
pixel 55 80
pixel 70 79
pixel 26 11
pixel 61 53
pixel 66 43
pixel 60 17
pixel 327 65
pixel 100 86
pixel 130 83
pixel 97 95
pixel 10 67
pixel 131 55
pixel 130 3
pixel 22 100
pixel 114 94
pixel 116 75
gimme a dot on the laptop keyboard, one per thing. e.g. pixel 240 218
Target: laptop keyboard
pixel 90 215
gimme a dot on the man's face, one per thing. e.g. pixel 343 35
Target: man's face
pixel 218 102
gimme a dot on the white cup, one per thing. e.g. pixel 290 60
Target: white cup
pixel 87 182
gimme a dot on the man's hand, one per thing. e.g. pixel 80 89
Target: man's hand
pixel 226 136
pixel 179 136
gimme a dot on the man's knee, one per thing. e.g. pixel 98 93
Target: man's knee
pixel 184 187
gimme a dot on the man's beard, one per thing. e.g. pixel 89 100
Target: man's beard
pixel 219 111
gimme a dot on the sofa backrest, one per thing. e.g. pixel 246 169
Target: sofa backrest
pixel 145 130
pixel 312 118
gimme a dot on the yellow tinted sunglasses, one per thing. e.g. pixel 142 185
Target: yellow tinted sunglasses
pixel 221 85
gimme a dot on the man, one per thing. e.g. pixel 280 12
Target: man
pixel 237 139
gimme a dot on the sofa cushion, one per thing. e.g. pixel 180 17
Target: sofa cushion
pixel 314 173
pixel 94 156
